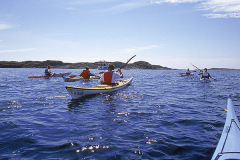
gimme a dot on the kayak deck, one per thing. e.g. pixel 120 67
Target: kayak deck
pixel 78 92
pixel 229 144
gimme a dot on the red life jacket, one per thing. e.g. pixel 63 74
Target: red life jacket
pixel 108 77
pixel 85 74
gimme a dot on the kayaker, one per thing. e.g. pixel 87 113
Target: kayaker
pixel 109 77
pixel 205 74
pixel 48 72
pixel 188 72
pixel 86 73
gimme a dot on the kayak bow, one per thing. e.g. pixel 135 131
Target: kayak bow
pixel 205 80
pixel 229 144
pixel 53 75
pixel 78 92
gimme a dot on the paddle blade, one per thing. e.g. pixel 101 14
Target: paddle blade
pixel 101 72
pixel 72 76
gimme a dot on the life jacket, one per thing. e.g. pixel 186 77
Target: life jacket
pixel 205 75
pixel 47 72
pixel 85 74
pixel 108 77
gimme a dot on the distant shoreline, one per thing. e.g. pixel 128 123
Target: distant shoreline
pixel 79 65
pixel 92 65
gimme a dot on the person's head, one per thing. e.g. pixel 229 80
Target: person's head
pixel 87 68
pixel 48 67
pixel 205 69
pixel 111 66
pixel 188 69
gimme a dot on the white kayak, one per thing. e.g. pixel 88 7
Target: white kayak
pixel 78 92
pixel 205 80
pixel 229 144
pixel 74 79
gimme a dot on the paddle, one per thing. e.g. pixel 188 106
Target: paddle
pixel 123 64
pixel 128 61
pixel 72 76
pixel 200 70
pixel 195 67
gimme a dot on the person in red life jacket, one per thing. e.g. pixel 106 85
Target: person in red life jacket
pixel 109 77
pixel 205 74
pixel 86 73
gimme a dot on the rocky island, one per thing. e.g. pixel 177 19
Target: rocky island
pixel 92 65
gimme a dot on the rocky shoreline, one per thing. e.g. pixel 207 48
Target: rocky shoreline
pixel 92 65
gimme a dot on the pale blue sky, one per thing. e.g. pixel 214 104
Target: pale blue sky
pixel 171 33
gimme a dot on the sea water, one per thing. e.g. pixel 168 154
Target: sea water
pixel 159 116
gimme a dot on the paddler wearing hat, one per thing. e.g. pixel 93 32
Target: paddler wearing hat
pixel 109 77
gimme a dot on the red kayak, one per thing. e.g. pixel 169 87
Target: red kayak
pixel 53 75
pixel 184 74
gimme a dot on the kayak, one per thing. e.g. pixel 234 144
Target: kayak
pixel 229 144
pixel 184 74
pixel 205 80
pixel 53 75
pixel 78 92
pixel 69 79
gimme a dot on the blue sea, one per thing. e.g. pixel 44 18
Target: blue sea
pixel 159 116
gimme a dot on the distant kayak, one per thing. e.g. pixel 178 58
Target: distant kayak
pixel 205 80
pixel 229 144
pixel 69 79
pixel 184 74
pixel 78 92
pixel 53 75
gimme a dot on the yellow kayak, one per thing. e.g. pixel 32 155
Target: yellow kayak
pixel 78 92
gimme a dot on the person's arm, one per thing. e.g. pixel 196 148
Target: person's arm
pixel 200 72
pixel 102 79
pixel 90 74
pixel 209 75
pixel 50 72
pixel 120 72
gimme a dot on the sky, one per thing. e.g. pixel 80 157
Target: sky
pixel 170 33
